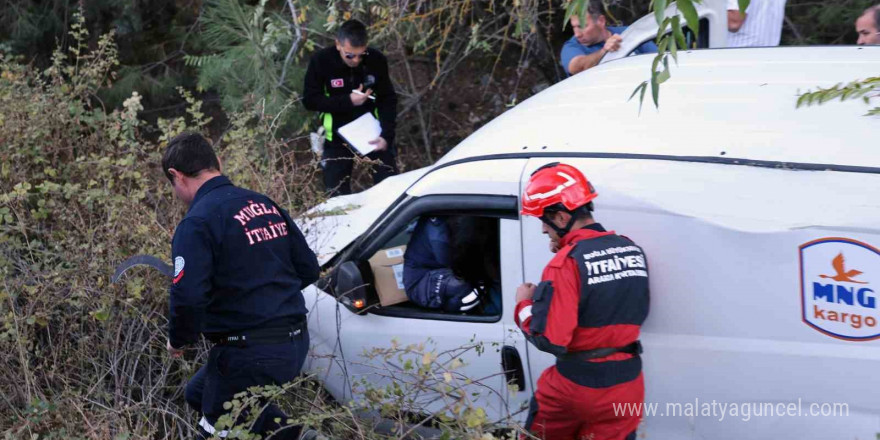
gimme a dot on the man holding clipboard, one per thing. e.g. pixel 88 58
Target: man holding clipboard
pixel 349 84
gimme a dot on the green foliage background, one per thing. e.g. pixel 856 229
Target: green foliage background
pixel 80 190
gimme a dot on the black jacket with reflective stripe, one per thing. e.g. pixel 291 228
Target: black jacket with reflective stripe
pixel 328 85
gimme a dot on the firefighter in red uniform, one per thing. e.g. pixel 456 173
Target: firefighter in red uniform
pixel 587 310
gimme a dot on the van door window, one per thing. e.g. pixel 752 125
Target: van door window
pixel 441 266
pixel 693 41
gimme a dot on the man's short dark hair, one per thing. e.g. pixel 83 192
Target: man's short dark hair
pixel 354 31
pixel 582 212
pixel 189 153
pixel 596 8
pixel 875 11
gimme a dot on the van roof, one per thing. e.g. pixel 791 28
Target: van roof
pixel 729 104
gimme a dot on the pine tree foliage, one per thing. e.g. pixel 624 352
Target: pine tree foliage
pixel 246 48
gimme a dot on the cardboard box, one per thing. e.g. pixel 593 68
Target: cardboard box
pixel 387 266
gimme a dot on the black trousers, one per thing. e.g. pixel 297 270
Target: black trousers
pixel 338 161
pixel 232 369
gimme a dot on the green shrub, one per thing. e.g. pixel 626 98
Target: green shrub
pixel 81 190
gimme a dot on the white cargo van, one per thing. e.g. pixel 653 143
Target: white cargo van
pixel 761 223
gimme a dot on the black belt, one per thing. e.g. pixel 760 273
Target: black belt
pixel 261 336
pixel 634 349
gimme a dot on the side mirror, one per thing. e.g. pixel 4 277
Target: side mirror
pixel 350 288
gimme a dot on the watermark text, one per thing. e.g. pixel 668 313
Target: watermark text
pixel 744 411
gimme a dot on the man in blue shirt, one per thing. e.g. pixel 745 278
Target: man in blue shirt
pixel 593 39
pixel 239 266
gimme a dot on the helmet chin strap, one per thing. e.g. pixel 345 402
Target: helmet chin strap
pixel 561 232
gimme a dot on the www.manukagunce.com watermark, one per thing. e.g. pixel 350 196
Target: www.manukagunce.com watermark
pixel 741 410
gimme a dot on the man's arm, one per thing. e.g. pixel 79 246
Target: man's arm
pixel 576 59
pixel 386 101
pixel 193 268
pixel 305 263
pixel 549 319
pixel 313 93
pixel 583 62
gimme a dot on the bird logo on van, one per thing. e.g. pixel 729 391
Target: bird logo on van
pixel 843 275
pixel 841 303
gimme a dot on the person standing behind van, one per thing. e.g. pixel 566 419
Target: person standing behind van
pixel 760 26
pixel 344 82
pixel 593 39
pixel 587 311
pixel 868 26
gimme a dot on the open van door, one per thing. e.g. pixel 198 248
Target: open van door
pixel 713 30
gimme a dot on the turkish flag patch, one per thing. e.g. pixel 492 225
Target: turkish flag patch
pixel 337 83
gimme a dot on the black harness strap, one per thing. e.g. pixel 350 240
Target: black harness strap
pixel 561 232
pixel 634 349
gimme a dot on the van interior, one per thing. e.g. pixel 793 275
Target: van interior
pixel 471 256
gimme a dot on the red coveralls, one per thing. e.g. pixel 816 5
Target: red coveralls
pixel 593 294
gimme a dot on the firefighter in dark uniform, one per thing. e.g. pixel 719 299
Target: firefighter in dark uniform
pixel 587 311
pixel 428 277
pixel 342 83
pixel 239 265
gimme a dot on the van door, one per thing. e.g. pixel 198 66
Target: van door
pixel 471 346
pixel 515 353
pixel 763 294
pixel 713 30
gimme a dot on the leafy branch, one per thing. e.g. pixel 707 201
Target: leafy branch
pixel 668 43
pixel 860 89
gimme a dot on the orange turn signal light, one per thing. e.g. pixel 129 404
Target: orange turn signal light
pixel 358 303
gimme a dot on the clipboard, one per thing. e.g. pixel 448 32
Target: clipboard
pixel 360 132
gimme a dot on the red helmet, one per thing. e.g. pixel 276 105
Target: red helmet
pixel 556 183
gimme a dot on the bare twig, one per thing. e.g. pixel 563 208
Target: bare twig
pixel 797 34
pixel 297 39
pixel 426 137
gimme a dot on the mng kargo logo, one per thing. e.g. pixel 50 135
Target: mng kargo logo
pixel 839 278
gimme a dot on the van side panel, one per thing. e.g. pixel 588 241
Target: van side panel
pixel 745 275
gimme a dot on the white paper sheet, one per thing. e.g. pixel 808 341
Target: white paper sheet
pixel 360 132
